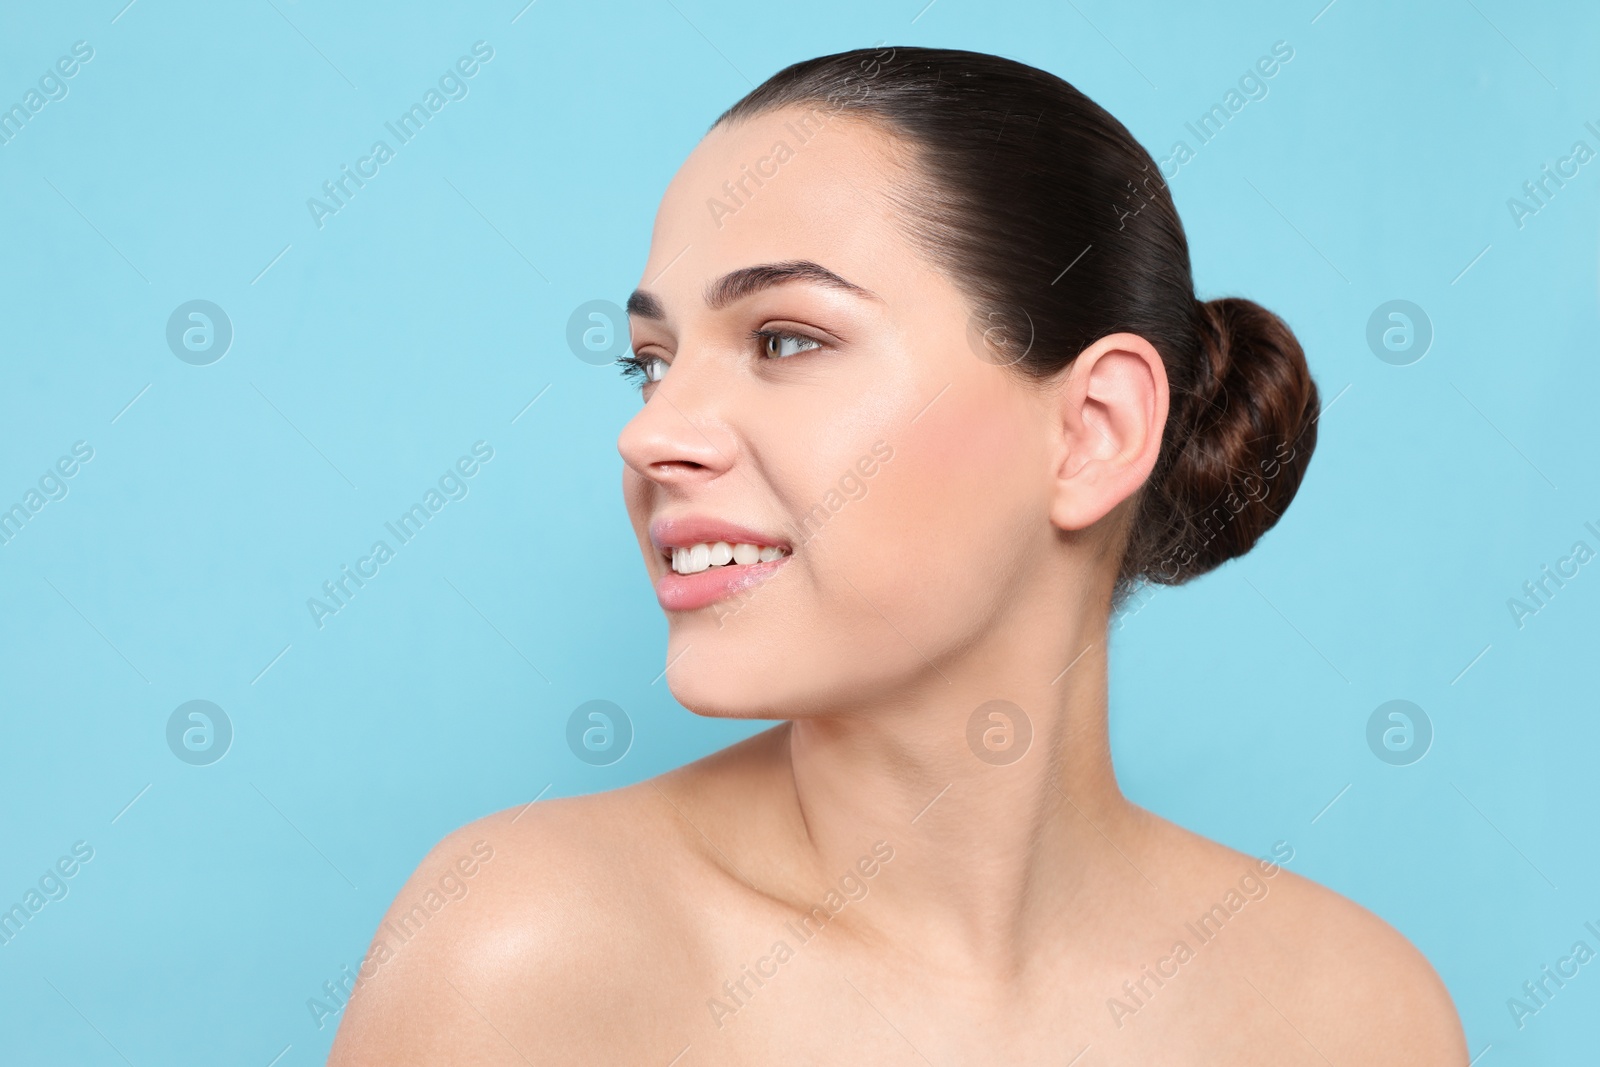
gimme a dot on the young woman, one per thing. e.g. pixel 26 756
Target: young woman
pixel 927 391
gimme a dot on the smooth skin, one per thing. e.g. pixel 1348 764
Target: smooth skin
pixel 975 565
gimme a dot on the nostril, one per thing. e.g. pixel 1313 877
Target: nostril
pixel 677 466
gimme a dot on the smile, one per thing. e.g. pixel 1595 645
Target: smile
pixel 692 559
pixel 708 560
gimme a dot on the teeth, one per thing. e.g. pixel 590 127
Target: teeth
pixel 693 559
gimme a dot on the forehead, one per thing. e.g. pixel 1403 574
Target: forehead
pixel 799 183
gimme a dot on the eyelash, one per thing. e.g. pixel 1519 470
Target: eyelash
pixel 634 367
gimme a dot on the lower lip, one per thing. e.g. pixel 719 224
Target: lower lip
pixel 686 592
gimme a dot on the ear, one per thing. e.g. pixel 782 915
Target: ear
pixel 1109 411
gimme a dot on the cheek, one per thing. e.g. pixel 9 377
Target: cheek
pixel 936 542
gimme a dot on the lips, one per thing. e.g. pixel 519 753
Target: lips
pixel 688 592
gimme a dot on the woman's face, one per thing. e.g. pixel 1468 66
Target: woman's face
pixel 815 392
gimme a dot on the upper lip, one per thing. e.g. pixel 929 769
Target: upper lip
pixel 667 534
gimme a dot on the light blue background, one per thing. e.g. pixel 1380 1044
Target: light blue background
pixel 427 314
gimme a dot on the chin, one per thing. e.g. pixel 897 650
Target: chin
pixel 776 667
pixel 719 696
pixel 719 675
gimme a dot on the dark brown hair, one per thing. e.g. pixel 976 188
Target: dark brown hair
pixel 1059 227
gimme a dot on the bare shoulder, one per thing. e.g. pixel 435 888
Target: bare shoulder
pixel 515 934
pixel 1361 980
pixel 1350 984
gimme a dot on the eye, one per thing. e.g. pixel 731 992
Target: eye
pixel 778 344
pixel 643 369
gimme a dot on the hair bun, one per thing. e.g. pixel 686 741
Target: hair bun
pixel 1242 441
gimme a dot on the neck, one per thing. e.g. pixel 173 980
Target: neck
pixel 992 830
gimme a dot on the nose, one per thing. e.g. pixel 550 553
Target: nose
pixel 680 438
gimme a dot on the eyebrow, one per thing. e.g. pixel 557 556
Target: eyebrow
pixel 738 284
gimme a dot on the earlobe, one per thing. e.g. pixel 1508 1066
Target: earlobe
pixel 1109 413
